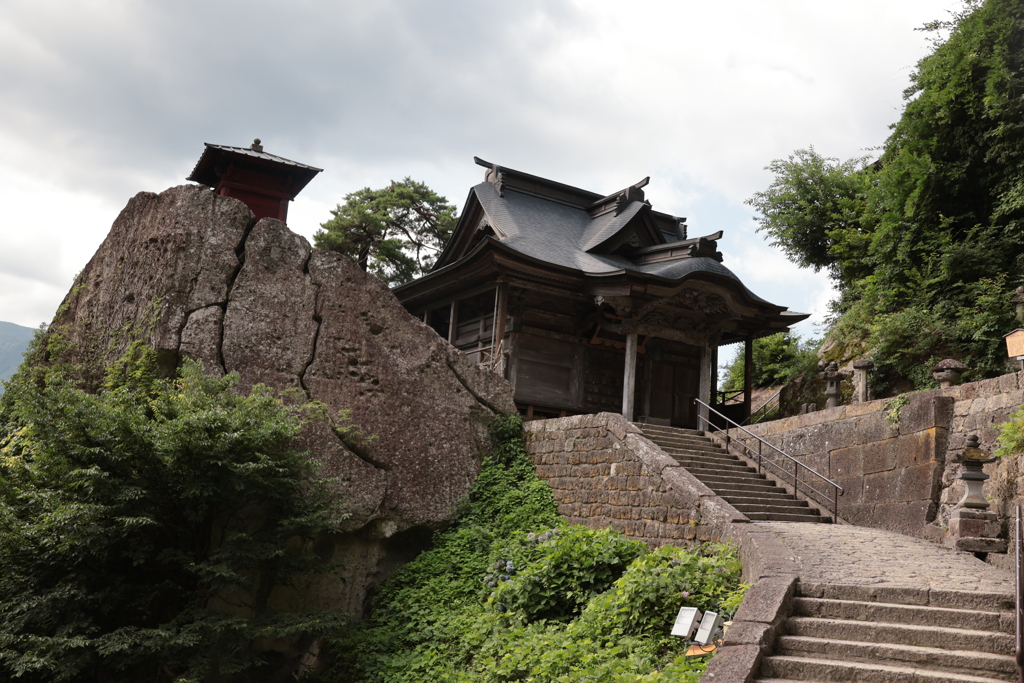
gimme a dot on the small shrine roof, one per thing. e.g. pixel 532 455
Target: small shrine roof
pixel 205 173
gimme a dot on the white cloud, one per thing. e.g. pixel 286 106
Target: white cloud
pixel 104 98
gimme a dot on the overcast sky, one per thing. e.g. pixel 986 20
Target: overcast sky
pixel 101 99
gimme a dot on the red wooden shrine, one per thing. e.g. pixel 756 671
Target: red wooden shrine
pixel 265 182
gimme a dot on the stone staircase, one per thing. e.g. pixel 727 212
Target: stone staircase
pixel 889 642
pixel 740 485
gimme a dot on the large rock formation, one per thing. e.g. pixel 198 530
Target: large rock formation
pixel 190 273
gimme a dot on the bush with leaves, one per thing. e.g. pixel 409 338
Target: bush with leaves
pixel 603 615
pixel 561 571
pixel 143 527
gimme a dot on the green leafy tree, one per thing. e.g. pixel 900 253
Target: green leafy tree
pixel 813 211
pixel 777 359
pixel 927 243
pixel 143 528
pixel 394 232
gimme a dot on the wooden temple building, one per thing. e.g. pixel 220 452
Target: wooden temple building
pixel 589 302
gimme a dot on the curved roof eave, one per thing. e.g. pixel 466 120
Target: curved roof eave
pixel 707 274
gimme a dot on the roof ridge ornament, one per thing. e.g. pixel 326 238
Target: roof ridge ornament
pixel 707 248
pixel 256 146
pixel 633 193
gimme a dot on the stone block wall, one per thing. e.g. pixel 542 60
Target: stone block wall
pixel 890 470
pixel 900 474
pixel 979 408
pixel 604 472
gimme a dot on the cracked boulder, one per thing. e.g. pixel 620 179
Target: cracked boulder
pixel 192 274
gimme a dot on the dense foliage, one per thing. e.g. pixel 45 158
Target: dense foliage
pixel 395 232
pixel 927 243
pixel 1011 435
pixel 509 593
pixel 143 527
pixel 778 358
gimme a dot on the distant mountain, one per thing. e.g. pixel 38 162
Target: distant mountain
pixel 14 340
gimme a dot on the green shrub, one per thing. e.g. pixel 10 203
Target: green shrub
pixel 131 518
pixel 1011 435
pixel 646 599
pixel 561 571
pixel 577 604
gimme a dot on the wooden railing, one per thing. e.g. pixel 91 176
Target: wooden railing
pixel 814 484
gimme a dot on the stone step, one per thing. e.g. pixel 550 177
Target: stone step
pixel 696 449
pixel 815 669
pixel 792 507
pixel 743 503
pixel 683 440
pixel 775 494
pixel 902 634
pixel 787 517
pixel 707 460
pixel 1003 667
pixel 985 601
pixel 668 431
pixel 751 493
pixel 977 620
pixel 744 478
pixel 737 468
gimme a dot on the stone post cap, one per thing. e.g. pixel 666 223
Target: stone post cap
pixel 974 453
pixel 863 364
pixel 949 364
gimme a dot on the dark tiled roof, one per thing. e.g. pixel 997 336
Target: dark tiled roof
pixel 560 234
pixel 246 151
pixel 204 172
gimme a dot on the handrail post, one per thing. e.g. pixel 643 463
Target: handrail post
pixel 1019 614
pixel 759 457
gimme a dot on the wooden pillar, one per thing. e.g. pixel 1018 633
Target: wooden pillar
pixel 705 385
pixel 748 374
pixel 453 323
pixel 714 375
pixel 500 314
pixel 648 372
pixel 629 377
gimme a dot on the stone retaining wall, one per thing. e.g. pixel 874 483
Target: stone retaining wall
pixel 890 470
pixel 899 472
pixel 604 472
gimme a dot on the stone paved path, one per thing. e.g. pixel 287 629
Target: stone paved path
pixel 841 554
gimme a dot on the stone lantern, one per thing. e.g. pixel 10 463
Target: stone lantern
pixel 972 526
pixel 947 372
pixel 832 378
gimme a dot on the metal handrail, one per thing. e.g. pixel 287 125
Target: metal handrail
pixel 837 490
pixel 1018 538
pixel 725 396
pixel 764 407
